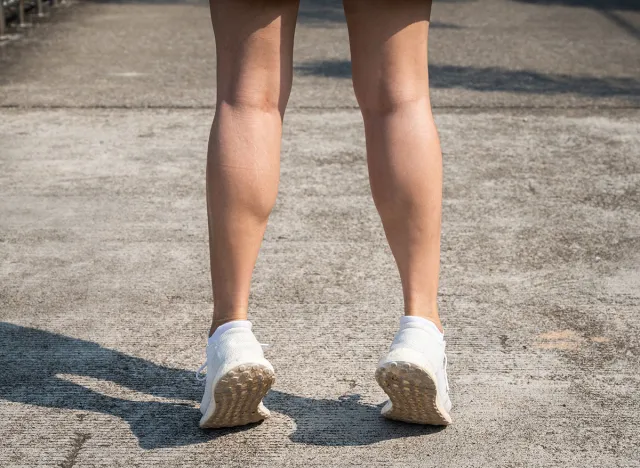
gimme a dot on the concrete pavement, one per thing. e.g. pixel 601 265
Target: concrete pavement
pixel 104 287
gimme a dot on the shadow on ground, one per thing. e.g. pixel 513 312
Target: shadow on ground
pixel 34 370
pixel 493 79
pixel 312 12
pixel 606 8
pixel 596 4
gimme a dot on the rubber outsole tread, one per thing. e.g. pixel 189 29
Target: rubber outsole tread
pixel 238 395
pixel 413 394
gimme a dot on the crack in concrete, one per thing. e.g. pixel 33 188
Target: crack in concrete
pixel 77 444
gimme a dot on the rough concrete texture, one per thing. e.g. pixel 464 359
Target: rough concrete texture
pixel 104 287
pixel 489 53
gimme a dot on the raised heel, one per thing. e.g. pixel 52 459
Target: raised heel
pixel 413 394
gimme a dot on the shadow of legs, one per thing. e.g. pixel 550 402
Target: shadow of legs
pixel 36 367
pixel 342 422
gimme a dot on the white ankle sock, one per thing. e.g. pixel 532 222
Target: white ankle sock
pixel 422 323
pixel 226 326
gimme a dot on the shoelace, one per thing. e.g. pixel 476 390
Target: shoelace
pixel 201 377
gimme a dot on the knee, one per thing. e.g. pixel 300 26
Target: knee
pixel 379 96
pixel 254 98
pixel 260 93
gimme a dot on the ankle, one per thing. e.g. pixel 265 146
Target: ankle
pixel 412 321
pixel 218 321
pixel 432 316
pixel 223 328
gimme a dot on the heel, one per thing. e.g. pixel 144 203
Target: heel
pixel 238 397
pixel 413 394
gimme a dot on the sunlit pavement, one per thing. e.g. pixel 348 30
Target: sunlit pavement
pixel 105 110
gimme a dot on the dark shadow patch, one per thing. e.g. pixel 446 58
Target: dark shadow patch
pixel 326 68
pixel 492 79
pixel 622 23
pixel 632 5
pixel 311 12
pixel 605 7
pixel 342 422
pixel 439 25
pixel 321 12
pixel 31 361
pixel 153 2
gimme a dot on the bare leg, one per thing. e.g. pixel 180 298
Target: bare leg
pixel 390 77
pixel 254 44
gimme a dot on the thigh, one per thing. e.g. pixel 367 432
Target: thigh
pixel 388 40
pixel 254 48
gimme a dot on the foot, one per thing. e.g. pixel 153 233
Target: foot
pixel 413 374
pixel 238 377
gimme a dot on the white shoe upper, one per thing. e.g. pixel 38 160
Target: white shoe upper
pixel 234 347
pixel 423 346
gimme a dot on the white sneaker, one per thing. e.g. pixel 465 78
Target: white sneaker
pixel 238 377
pixel 414 375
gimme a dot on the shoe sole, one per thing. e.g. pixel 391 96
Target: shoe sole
pixel 413 394
pixel 238 395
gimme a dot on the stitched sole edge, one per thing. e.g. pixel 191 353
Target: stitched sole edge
pixel 238 395
pixel 412 392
